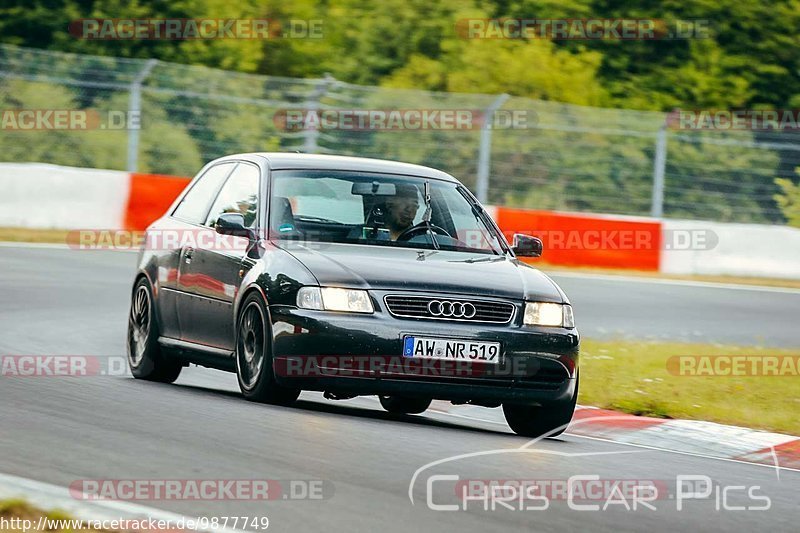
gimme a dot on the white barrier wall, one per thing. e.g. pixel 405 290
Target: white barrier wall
pixel 36 195
pixel 740 250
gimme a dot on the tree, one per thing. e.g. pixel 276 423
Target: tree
pixel 789 200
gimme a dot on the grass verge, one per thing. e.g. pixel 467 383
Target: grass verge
pixel 14 514
pixel 33 235
pixel 633 377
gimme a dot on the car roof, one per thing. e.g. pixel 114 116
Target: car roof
pixel 288 161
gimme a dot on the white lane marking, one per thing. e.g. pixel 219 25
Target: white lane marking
pixel 666 281
pixel 57 246
pixel 45 245
pixel 48 497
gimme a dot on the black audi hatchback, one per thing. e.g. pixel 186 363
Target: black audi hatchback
pixel 353 277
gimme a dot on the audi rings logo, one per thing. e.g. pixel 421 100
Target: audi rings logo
pixel 447 309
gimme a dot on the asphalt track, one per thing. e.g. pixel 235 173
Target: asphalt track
pixel 59 430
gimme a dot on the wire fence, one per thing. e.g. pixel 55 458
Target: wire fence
pixel 560 156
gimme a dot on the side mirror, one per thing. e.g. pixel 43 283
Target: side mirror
pixel 527 246
pixel 233 224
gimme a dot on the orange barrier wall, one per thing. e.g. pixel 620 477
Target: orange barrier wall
pixel 569 239
pixel 149 198
pixel 587 240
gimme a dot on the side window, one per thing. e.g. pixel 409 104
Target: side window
pixel 194 205
pixel 238 195
pixel 319 197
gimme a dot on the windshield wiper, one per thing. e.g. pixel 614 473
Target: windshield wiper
pixel 490 259
pixel 483 218
pixel 315 219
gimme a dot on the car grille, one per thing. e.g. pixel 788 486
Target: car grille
pixel 457 309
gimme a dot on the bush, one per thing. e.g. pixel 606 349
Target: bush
pixel 789 200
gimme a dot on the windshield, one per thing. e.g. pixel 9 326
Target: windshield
pixel 379 210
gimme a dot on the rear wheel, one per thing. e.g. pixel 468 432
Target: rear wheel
pixel 404 405
pixel 145 357
pixel 254 356
pixel 547 419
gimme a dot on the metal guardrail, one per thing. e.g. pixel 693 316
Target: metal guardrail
pixel 566 157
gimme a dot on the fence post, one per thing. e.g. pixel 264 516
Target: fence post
pixel 485 149
pixel 135 110
pixel 310 135
pixel 659 164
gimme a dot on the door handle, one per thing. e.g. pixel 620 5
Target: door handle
pixel 187 257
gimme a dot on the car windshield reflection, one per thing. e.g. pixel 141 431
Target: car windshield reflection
pixel 378 210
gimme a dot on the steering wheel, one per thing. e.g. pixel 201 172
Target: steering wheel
pixel 419 229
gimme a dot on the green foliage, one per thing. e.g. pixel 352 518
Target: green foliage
pixel 746 54
pixel 165 147
pixel 747 58
pixel 483 67
pixel 789 200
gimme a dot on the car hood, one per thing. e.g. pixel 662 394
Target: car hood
pixel 387 268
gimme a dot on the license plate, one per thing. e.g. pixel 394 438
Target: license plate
pixel 455 350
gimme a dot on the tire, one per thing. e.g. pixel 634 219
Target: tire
pixel 405 406
pixel 254 370
pixel 547 419
pixel 145 357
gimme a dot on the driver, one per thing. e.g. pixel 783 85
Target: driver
pixel 401 209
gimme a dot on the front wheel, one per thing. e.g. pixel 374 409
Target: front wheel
pixel 548 420
pixel 254 356
pixel 145 357
pixel 404 405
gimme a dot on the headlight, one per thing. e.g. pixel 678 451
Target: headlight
pixel 334 299
pixel 548 314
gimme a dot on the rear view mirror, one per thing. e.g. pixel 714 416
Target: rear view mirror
pixel 375 188
pixel 232 224
pixel 527 246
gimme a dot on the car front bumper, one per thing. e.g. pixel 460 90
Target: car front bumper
pixel 355 354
